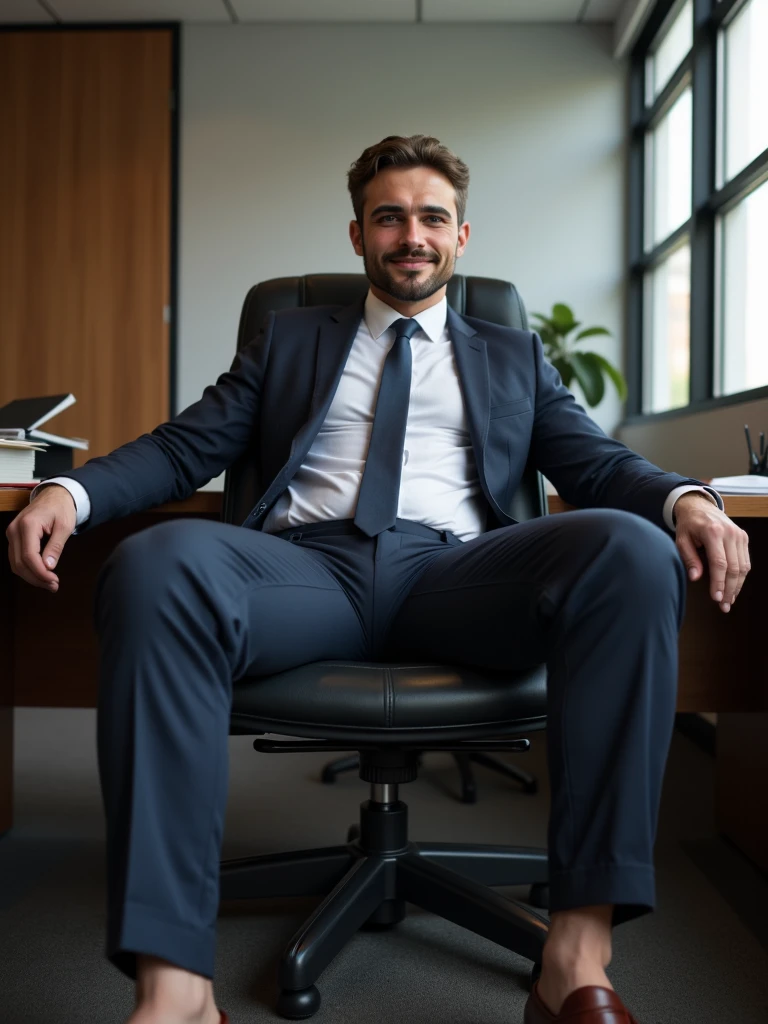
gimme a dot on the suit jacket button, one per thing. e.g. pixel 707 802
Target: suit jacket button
pixel 262 507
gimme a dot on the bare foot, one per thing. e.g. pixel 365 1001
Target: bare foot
pixel 168 994
pixel 154 1015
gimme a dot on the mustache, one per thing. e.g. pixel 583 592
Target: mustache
pixel 414 254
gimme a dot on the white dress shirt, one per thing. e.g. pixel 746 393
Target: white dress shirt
pixel 439 486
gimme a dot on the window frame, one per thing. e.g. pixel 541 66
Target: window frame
pixel 709 203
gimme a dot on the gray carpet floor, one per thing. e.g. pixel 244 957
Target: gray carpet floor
pixel 701 957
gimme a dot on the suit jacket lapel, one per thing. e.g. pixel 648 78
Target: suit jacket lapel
pixel 334 341
pixel 472 364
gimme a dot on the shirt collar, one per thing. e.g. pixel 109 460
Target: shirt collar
pixel 379 316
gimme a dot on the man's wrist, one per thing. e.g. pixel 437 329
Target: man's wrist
pixel 45 486
pixel 692 498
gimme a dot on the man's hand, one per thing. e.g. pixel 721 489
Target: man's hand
pixel 51 514
pixel 700 523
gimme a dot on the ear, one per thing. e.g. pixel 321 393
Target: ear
pixel 356 237
pixel 463 238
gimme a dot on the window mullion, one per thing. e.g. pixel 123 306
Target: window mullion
pixel 703 184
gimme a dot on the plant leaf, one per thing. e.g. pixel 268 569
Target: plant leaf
pixel 589 332
pixel 589 376
pixel 616 376
pixel 562 317
pixel 545 320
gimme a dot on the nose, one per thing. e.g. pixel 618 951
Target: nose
pixel 412 234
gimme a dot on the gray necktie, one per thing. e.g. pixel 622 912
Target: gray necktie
pixel 380 486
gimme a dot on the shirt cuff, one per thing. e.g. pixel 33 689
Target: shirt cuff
pixel 674 494
pixel 79 496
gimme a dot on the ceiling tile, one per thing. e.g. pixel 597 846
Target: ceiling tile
pixel 139 10
pixel 18 12
pixel 602 10
pixel 502 10
pixel 325 10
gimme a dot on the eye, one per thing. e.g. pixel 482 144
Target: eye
pixel 388 217
pixel 435 218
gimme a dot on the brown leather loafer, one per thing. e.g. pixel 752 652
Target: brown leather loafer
pixel 592 1004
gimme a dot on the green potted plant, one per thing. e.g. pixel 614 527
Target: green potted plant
pixel 589 368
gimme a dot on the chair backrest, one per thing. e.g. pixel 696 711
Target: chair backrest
pixel 483 297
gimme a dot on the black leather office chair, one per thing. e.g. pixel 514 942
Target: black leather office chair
pixel 485 298
pixel 389 714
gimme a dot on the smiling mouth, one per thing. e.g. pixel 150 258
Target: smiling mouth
pixel 412 263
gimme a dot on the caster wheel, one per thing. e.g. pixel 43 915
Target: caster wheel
pixel 538 896
pixel 469 795
pixel 534 975
pixel 328 775
pixel 353 833
pixel 298 1004
pixel 531 787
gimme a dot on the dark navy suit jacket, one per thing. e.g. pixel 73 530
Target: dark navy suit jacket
pixel 279 389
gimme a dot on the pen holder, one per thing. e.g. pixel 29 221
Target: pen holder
pixel 758 465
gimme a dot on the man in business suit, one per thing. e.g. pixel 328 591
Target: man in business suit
pixel 391 438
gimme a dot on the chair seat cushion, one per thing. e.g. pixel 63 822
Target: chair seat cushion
pixel 390 703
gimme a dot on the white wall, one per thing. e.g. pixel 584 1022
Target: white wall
pixel 272 117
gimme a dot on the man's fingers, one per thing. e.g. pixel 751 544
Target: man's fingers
pixel 55 545
pixel 31 567
pixel 690 556
pixel 744 563
pixel 732 571
pixel 718 565
pixel 727 551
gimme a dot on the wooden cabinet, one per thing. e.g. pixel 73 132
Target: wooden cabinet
pixel 85 245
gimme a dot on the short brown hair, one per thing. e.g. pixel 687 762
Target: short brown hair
pixel 408 151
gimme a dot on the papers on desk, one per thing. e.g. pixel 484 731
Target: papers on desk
pixel 17 459
pixel 752 484
pixel 12 442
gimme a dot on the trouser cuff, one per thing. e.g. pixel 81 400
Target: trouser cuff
pixel 630 887
pixel 141 932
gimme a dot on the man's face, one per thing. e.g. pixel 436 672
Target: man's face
pixel 410 237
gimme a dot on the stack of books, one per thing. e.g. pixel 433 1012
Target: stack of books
pixel 27 453
pixel 17 461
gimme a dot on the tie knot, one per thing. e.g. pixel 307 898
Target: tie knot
pixel 405 327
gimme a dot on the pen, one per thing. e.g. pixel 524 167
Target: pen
pixel 752 457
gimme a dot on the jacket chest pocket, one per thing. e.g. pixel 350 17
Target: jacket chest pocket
pixel 515 408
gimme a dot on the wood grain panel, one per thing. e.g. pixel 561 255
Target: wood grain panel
pixel 742 783
pixel 7 588
pixel 85 173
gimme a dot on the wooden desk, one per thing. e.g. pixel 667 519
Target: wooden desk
pixel 722 662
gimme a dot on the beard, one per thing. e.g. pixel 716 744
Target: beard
pixel 413 287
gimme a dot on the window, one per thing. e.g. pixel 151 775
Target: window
pixel 668 296
pixel 744 78
pixel 743 338
pixel 698 206
pixel 668 178
pixel 673 45
pixel 668 142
